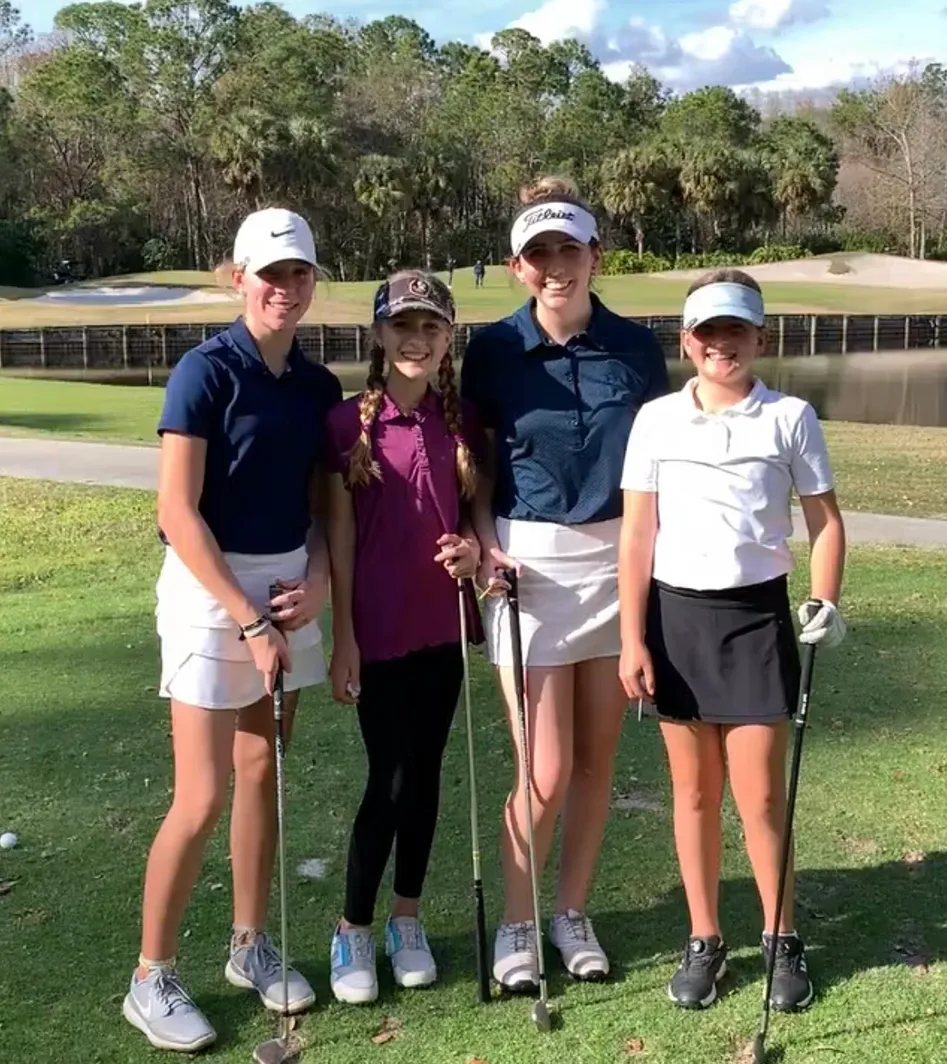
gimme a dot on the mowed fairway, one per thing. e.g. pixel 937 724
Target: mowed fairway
pixel 86 777
pixel 871 461
pixel 342 303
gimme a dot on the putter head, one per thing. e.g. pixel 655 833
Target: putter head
pixel 542 1021
pixel 277 1051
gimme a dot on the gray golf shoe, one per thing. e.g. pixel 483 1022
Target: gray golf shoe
pixel 258 967
pixel 163 1011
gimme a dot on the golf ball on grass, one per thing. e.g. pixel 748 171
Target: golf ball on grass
pixel 8 840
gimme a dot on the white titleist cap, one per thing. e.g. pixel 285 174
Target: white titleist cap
pixel 273 235
pixel 553 217
pixel 723 300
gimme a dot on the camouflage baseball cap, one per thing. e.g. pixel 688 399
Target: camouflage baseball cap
pixel 414 290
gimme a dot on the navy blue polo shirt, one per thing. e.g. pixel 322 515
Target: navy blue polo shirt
pixel 561 415
pixel 265 436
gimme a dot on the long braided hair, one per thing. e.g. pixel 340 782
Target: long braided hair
pixel 362 463
pixel 363 466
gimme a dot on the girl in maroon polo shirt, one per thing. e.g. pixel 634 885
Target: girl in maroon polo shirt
pixel 402 471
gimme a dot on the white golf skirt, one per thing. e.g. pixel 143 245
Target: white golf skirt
pixel 203 660
pixel 568 593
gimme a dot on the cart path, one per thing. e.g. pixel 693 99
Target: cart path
pixel 123 466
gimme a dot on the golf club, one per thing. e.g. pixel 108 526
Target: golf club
pixel 799 722
pixel 483 975
pixel 540 1012
pixel 280 1050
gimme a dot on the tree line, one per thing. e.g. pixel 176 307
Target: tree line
pixel 136 136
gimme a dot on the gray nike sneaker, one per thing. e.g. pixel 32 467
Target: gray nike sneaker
pixel 258 967
pixel 163 1011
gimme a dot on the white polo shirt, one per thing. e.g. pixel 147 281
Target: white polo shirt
pixel 724 483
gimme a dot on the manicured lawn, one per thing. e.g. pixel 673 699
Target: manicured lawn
pixel 346 302
pixel 86 777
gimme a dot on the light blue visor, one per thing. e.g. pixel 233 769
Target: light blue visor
pixel 723 300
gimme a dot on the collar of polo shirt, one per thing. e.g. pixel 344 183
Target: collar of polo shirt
pixel 241 340
pixel 751 404
pixel 534 337
pixel 390 411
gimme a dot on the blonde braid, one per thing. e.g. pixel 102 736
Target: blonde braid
pixel 362 464
pixel 466 467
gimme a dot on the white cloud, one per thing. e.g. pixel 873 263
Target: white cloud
pixel 558 19
pixel 772 15
pixel 720 55
pixel 555 21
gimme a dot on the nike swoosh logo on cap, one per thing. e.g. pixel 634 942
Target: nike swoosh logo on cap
pixel 285 232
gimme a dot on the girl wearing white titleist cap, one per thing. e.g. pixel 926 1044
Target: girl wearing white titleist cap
pixel 558 384
pixel 239 497
pixel 707 630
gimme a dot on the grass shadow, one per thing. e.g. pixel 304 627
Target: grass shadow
pixel 50 422
pixel 866 918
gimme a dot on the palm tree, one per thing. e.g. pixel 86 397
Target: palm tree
pixel 380 188
pixel 636 184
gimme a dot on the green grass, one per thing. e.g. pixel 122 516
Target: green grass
pixel 86 777
pixel 340 303
pixel 870 460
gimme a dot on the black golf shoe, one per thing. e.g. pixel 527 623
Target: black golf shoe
pixel 792 987
pixel 704 964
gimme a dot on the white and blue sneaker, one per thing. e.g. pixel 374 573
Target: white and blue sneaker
pixel 353 978
pixel 407 947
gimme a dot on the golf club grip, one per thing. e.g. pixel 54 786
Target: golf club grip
pixel 806 667
pixel 516 635
pixel 483 971
pixel 275 589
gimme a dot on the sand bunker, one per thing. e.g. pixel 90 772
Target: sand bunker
pixel 862 270
pixel 125 296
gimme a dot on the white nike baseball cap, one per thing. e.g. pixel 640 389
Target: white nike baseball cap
pixel 273 235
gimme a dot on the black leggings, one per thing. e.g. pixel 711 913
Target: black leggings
pixel 405 711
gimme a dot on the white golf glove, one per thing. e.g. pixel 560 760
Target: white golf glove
pixel 822 624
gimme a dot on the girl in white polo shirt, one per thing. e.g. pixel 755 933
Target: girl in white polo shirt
pixel 707 630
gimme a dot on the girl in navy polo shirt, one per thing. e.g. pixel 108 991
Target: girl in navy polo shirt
pixel 707 632
pixel 557 386
pixel 241 452
pixel 402 465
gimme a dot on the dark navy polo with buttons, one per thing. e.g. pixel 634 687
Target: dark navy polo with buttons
pixel 561 415
pixel 265 436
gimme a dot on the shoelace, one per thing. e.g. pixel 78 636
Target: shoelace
pixel 579 928
pixel 265 955
pixel 360 944
pixel 410 934
pixel 522 935
pixel 170 993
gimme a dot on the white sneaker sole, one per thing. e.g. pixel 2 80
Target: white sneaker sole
pixel 134 1017
pixel 349 996
pixel 413 980
pixel 236 978
pixel 591 975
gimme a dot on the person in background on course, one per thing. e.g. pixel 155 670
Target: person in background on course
pixel 557 386
pixel 402 477
pixel 707 630
pixel 451 263
pixel 479 272
pixel 240 498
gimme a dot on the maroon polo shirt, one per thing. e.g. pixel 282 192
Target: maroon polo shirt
pixel 403 599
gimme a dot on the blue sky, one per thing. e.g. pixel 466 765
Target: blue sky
pixel 793 44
